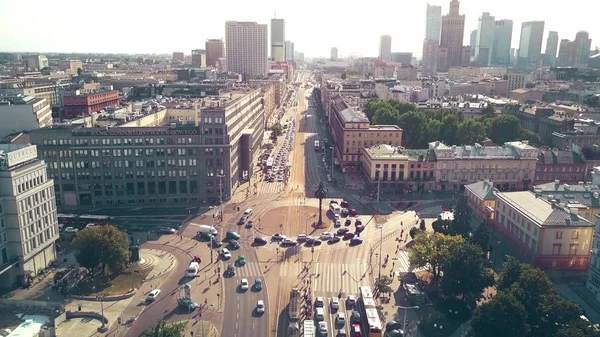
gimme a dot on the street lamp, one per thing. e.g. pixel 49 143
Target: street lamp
pixel 381 226
pixel 405 310
pixel 101 298
pixel 220 176
pixel 332 156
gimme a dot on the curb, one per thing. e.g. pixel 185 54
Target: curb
pixel 112 298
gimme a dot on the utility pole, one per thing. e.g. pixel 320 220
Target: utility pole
pixel 381 227
pixel 221 196
pixel 332 156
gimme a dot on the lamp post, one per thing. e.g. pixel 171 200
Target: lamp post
pixel 101 298
pixel 381 226
pixel 405 310
pixel 220 176
pixel 332 156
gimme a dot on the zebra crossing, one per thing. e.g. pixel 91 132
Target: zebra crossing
pixel 403 264
pixel 250 269
pixel 271 188
pixel 333 277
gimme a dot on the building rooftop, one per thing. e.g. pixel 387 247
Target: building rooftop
pixel 385 127
pixel 483 189
pixel 476 151
pixel 348 114
pixel 559 157
pixel 384 151
pixel 581 194
pixel 19 100
pixel 542 211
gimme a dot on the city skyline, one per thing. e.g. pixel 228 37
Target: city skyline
pixel 356 39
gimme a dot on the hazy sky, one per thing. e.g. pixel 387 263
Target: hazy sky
pixel 315 26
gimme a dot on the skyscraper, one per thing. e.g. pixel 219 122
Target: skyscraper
pixel 385 48
pixel 485 38
pixel 278 40
pixel 575 53
pixel 289 51
pixel 473 41
pixel 453 30
pixel 214 51
pixel 334 54
pixel 246 47
pixel 551 49
pixel 503 30
pixel 583 45
pixel 199 58
pixel 530 45
pixel 433 23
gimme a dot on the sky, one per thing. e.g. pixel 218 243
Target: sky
pixel 134 26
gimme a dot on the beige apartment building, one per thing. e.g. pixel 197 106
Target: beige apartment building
pixel 352 132
pixel 70 66
pixel 510 166
pixel 247 48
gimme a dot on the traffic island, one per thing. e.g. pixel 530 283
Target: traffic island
pixel 294 220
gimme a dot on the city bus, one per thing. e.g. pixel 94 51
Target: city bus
pixel 317 146
pixel 368 307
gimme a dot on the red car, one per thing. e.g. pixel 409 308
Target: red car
pixel 360 228
pixel 197 259
pixel 352 212
pixel 348 236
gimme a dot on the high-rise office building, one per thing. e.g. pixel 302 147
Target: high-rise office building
pixel 334 54
pixel 575 53
pixel 551 49
pixel 247 48
pixel 178 56
pixel 278 40
pixel 583 45
pixel 199 58
pixel 385 48
pixel 503 30
pixel 433 24
pixel 485 39
pixel 402 57
pixel 289 50
pixel 473 41
pixel 214 51
pixel 530 45
pixel 453 30
pixel 29 225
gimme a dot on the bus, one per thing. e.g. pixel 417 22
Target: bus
pixel 368 308
pixel 317 146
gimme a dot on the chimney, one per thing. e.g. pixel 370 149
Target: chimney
pixel 568 221
pixel 573 210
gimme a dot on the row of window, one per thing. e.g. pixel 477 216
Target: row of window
pixel 128 163
pixel 558 169
pixel 125 175
pixel 121 141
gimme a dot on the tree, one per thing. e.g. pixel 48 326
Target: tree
pixel 320 194
pixel 481 237
pixel 441 226
pixel 579 328
pixel 413 232
pixel 503 316
pixel 102 247
pixel 382 284
pixel 464 273
pixel 422 225
pixel 532 137
pixel 385 115
pixel 449 130
pixel 592 100
pixel 489 110
pixel 416 122
pixel 505 128
pixel 461 225
pixel 276 130
pixel 471 132
pixel 555 312
pixel 402 107
pixel 373 106
pixel 432 251
pixel 79 71
pixel 433 130
pixel 162 329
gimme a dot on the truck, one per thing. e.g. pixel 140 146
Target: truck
pixel 335 208
pixel 207 229
pixel 193 269
pixel 295 301
pixel 309 329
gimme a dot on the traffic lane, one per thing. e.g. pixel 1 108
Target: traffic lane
pixel 249 319
pixel 231 308
pixel 167 301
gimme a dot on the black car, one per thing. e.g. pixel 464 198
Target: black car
pixel 206 236
pixel 215 242
pixel 357 222
pixel 356 241
pixel 260 241
pixel 230 270
pixel 342 231
pixel 234 244
pixel 334 240
pixel 348 222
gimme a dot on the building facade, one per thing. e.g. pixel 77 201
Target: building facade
pixel 530 45
pixel 551 49
pixel 502 40
pixel 178 56
pixel 453 29
pixel 485 39
pixel 433 26
pixel 27 214
pixel 560 165
pixel 199 58
pixel 70 66
pixel 24 113
pixel 385 48
pixel 333 54
pixel 289 51
pixel 35 62
pixel 214 51
pixel 86 104
pixel 278 40
pixel 246 48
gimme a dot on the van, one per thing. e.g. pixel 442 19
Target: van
pixel 248 212
pixel 153 295
pixel 335 208
pixel 207 229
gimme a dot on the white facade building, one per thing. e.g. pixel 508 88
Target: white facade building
pixel 246 48
pixel 29 225
pixel 23 113
pixel 385 48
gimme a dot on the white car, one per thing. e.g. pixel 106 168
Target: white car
pixel 320 314
pixel 335 303
pixel 326 236
pixel 153 295
pixel 341 319
pixel 71 230
pixel 323 328
pixel 319 302
pixel 226 254
pixel 289 242
pixel 244 284
pixel 248 212
pixel 260 307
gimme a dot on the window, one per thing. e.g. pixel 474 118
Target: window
pixel 558 236
pixel 556 248
pixel 575 235
pixel 573 249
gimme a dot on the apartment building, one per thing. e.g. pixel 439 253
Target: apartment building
pixel 86 104
pixel 481 198
pixel 52 92
pixel 544 232
pixel 23 113
pixel 593 280
pixel 566 166
pixel 35 62
pixel 70 66
pixel 28 222
pixel 246 48
pixel 214 51
pixel 510 166
pixel 359 91
pixel 178 153
pixel 352 132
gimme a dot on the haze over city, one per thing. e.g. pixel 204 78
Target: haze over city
pixel 314 26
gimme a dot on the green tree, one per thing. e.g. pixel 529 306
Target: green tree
pixel 402 107
pixel 320 194
pixel 579 328
pixel 533 138
pixel 505 128
pixel 481 237
pixel 432 251
pixel 489 110
pixel 555 312
pixel 79 71
pixel 441 226
pixel 503 316
pixel 461 225
pixel 385 115
pixel 433 130
pixel 464 273
pixel 422 225
pixel 449 130
pixel 372 107
pixel 276 130
pixel 383 284
pixel 471 132
pixel 592 100
pixel 415 124
pixel 413 232
pixel 102 247
pixel 162 329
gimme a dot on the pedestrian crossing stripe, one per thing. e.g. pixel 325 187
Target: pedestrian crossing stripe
pixel 250 269
pixel 333 277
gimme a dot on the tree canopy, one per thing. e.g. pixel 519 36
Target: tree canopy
pixel 162 329
pixel 505 128
pixel 503 316
pixel 432 251
pixel 461 225
pixel 465 273
pixel 481 237
pixel 102 247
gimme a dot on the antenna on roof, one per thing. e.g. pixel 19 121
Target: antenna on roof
pixel 275 14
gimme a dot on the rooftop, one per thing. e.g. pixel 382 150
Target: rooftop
pixel 482 189
pixel 348 114
pixel 384 151
pixel 542 211
pixel 581 194
pixel 559 157
pixel 476 151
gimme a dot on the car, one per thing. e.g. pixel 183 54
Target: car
pixel 152 295
pixel 326 235
pixel 319 302
pixel 242 220
pixel 348 222
pixel 342 231
pixel 226 254
pixel 338 223
pixel 323 328
pixel 341 333
pixel 319 314
pixel 215 242
pixel 248 212
pixel 241 261
pixel 356 241
pixel 360 228
pixel 344 204
pixel 278 237
pixel 260 240
pixel 392 325
pixel 337 217
pixel 244 284
pixel 234 244
pixel 289 242
pixel 205 236
pixel 357 222
pixel 302 238
pixel 349 236
pixel 165 230
pixel 258 284
pixel 249 224
pixel 352 212
pixel 335 303
pixel 230 270
pixel 340 319
pixel 356 329
pixel 197 259
pixel 350 300
pixel 71 230
pixel 260 307
pixel 232 235
pixel 314 242
pixel 334 239
pixel 344 213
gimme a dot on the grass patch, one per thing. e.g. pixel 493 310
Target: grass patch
pixel 113 284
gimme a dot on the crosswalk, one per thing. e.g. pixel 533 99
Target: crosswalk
pixel 403 265
pixel 250 269
pixel 330 278
pixel 271 188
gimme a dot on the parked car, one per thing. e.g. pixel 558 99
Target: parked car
pixel 258 284
pixel 360 228
pixel 289 242
pixel 335 303
pixel 153 295
pixel 302 238
pixel 319 302
pixel 278 237
pixel 342 231
pixel 356 241
pixel 260 307
pixel 260 240
pixel 334 239
pixel 234 244
pixel 348 222
pixel 232 235
pixel 226 254
pixel 344 204
pixel 348 236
